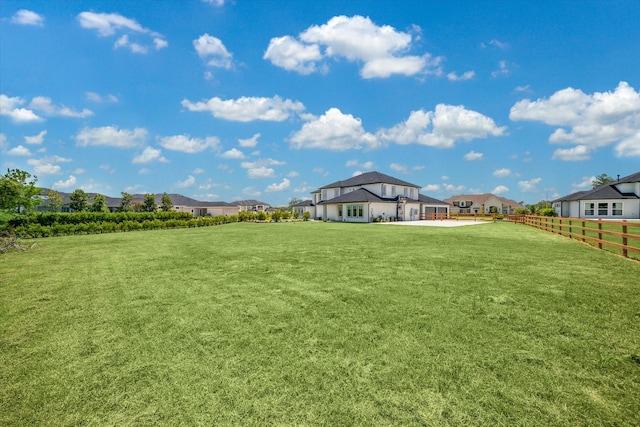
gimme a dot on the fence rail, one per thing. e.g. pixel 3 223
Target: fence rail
pixel 622 237
pixel 458 216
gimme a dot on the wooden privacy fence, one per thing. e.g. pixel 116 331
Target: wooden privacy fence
pixel 619 236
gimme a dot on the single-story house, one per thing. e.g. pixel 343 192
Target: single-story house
pixel 617 200
pixel 482 203
pixel 368 196
pixel 180 204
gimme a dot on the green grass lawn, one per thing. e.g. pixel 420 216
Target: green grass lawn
pixel 319 324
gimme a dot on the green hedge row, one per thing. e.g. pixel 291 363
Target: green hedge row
pixel 36 229
pixel 52 218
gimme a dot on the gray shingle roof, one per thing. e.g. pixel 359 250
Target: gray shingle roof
pixel 357 196
pixel 369 178
pixel 604 192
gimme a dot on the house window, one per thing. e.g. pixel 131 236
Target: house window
pixel 336 192
pixel 384 190
pixel 324 194
pixel 589 209
pixel 603 209
pixel 393 191
pixel 616 208
pixel 406 191
pixel 411 193
pixel 339 210
pixel 355 211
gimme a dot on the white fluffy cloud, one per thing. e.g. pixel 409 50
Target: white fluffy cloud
pixel 111 136
pixel 500 189
pixel 247 109
pixel 588 121
pixel 382 50
pixel 502 173
pixel 212 50
pixel 46 106
pixel 334 131
pixel 186 144
pixel 357 164
pixel 529 186
pixel 100 99
pixel 47 165
pixel 28 17
pixel 575 154
pixel 35 139
pixel 472 155
pixel 110 24
pixel 10 107
pixel 234 153
pixel 189 182
pixel 282 186
pixel 442 128
pixel 65 185
pixel 468 75
pixel 19 151
pixel 399 168
pixel 249 142
pixel 149 155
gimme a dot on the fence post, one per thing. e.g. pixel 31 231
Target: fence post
pixel 584 232
pixel 624 238
pixel 600 233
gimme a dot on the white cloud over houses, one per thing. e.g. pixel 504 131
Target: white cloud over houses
pixel 211 50
pixel 66 184
pixel 586 183
pixel 11 107
pixel 28 17
pixel 114 24
pixel 589 121
pixel 500 189
pixel 247 109
pixel 430 188
pixel 47 165
pixel 442 128
pixel 249 142
pixel 187 144
pixel 111 136
pixel 334 131
pixel 381 51
pixel 454 77
pixel 355 163
pixel 187 183
pixel 149 155
pixel 530 186
pixel 399 168
pixel 275 187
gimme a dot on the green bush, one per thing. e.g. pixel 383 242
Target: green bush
pixel 548 212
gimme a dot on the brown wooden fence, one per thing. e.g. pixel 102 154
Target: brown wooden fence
pixel 458 216
pixel 622 237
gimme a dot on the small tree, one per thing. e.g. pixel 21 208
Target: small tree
pixel 548 212
pixel 602 179
pixel 306 215
pixel 149 203
pixel 167 204
pixel 276 215
pixel 99 204
pixel 78 200
pixel 126 203
pixel 54 201
pixel 17 192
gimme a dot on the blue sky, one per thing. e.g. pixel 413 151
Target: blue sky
pixel 225 100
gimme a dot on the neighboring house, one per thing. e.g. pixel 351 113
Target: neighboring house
pixel 618 200
pixel 482 203
pixel 368 196
pixel 180 204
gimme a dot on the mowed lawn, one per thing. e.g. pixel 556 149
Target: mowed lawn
pixel 319 324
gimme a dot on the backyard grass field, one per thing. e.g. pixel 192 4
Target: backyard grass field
pixel 315 323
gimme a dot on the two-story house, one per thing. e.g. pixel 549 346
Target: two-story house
pixel 368 196
pixel 481 204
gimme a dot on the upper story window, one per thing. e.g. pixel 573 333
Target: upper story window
pixel 324 194
pixel 336 192
pixel 393 191
pixel 406 191
pixel 384 191
pixel 411 193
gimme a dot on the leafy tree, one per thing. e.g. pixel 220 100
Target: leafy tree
pixel 17 192
pixel 54 201
pixel 276 215
pixel 79 200
pixel 126 203
pixel 548 212
pixel 294 201
pixel 149 203
pixel 306 215
pixel 99 204
pixel 602 179
pixel 167 204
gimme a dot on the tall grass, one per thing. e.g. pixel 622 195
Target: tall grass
pixel 319 324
